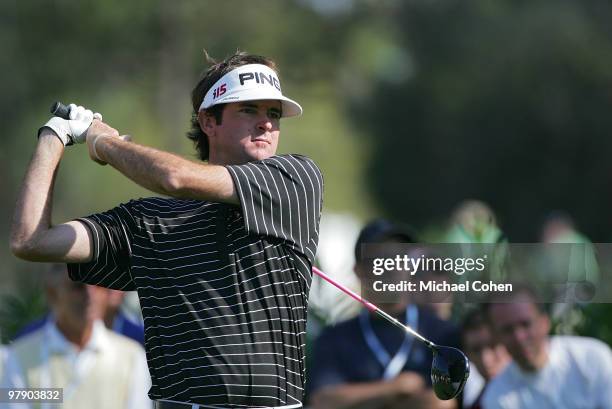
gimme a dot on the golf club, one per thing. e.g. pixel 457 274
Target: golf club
pixel 61 110
pixel 450 367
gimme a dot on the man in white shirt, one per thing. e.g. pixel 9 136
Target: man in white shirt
pixel 547 372
pixel 95 367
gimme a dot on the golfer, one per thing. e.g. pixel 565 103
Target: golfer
pixel 223 267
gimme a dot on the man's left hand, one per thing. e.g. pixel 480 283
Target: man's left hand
pixel 94 136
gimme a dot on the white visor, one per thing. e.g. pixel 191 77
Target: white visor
pixel 249 83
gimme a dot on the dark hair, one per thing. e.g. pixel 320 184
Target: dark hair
pixel 380 230
pixel 474 319
pixel 518 289
pixel 208 79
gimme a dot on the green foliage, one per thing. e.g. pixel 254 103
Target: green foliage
pixel 20 307
pixel 596 322
pixel 504 101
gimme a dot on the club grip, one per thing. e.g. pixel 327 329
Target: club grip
pixel 61 110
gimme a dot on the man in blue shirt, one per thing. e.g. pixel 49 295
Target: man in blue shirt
pixel 367 363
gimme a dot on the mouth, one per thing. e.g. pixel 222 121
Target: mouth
pixel 526 354
pixel 261 140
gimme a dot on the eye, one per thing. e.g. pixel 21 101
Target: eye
pixel 248 110
pixel 274 114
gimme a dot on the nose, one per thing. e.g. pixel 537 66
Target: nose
pixel 520 335
pixel 264 124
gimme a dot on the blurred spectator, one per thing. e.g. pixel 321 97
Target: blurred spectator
pixel 75 351
pixel 114 318
pixel 487 356
pixel 560 228
pixel 473 225
pixel 366 362
pixel 580 265
pixel 570 269
pixel 546 372
pixel 473 221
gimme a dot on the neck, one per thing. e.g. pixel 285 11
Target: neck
pixel 541 360
pixel 109 317
pixel 78 335
pixel 212 160
pixel 215 158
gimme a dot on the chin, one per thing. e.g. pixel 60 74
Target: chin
pixel 260 155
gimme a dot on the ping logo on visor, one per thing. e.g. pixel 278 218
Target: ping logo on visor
pixel 260 78
pixel 249 83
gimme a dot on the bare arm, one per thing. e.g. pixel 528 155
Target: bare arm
pixel 367 395
pixel 164 172
pixel 32 236
pixel 425 399
pixel 372 395
pixel 407 390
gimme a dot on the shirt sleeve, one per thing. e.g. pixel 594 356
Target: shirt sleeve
pixel 112 235
pixel 281 197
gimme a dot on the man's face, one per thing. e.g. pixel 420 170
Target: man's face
pixel 77 302
pixel 248 131
pixel 524 331
pixel 489 356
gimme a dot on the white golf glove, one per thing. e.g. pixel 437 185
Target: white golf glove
pixel 73 130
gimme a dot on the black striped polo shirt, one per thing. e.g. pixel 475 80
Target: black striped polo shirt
pixel 223 289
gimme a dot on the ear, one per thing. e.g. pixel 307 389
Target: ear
pixel 207 122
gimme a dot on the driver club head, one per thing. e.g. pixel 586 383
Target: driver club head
pixel 450 369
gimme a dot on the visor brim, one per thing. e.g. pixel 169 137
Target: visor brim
pixel 290 107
